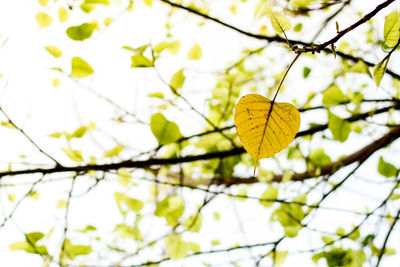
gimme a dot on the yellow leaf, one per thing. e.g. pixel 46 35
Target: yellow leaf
pixel 265 127
pixel 62 14
pixel 280 22
pixel 53 50
pixel 43 20
pixel 56 82
pixel 195 52
pixel 61 204
pixel 43 2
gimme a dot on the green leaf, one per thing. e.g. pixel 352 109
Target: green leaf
pixel 124 177
pixel 386 169
pixel 61 204
pixel 177 80
pixel 34 236
pixel 131 203
pixel 62 14
pixel 306 72
pixel 193 223
pixel 140 61
pixel 391 30
pixel 164 130
pixel 75 250
pixel 319 158
pixel 43 20
pixel 280 22
pixel 156 95
pixel 81 32
pixel 340 128
pixel 43 2
pixel 278 256
pixel 171 208
pixel 271 193
pixel 102 2
pixel 80 132
pixel 298 27
pixel 75 155
pixel 80 68
pixel 176 247
pixel 27 247
pixel 148 2
pixel 114 151
pixel 54 51
pixel 126 231
pixel 195 52
pixel 332 95
pixel 379 70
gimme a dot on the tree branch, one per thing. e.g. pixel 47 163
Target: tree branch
pixel 306 47
pixel 171 161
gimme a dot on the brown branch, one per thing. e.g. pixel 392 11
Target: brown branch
pixel 171 161
pixel 329 169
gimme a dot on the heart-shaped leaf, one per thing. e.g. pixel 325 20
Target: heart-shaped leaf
pixel 265 127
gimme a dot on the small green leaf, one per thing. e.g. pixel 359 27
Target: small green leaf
pixel 340 128
pixel 391 31
pixel 80 132
pixel 379 70
pixel 62 14
pixel 386 169
pixel 54 51
pixel 332 95
pixel 43 2
pixel 156 95
pixel 140 61
pixel 80 68
pixel 81 32
pixel 171 208
pixel 114 151
pixel 271 193
pixel 177 80
pixel 280 22
pixel 306 72
pixel 62 203
pixel 164 130
pixel 319 158
pixel 195 52
pixel 34 236
pixel 148 2
pixel 43 20
pixel 193 223
pixel 176 247
pixel 298 27
pixel 124 177
pixel 74 155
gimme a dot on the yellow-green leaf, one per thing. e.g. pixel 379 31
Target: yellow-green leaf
pixel 62 14
pixel 124 177
pixel 280 22
pixel 43 2
pixel 379 70
pixel 53 50
pixel 332 95
pixel 265 127
pixel 43 20
pixel 114 151
pixel 75 155
pixel 80 68
pixel 62 203
pixel 55 82
pixel 164 130
pixel 391 30
pixel 148 2
pixel 81 32
pixel 195 52
pixel 140 61
pixel 177 80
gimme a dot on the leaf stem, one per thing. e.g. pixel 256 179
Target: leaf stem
pixel 284 76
